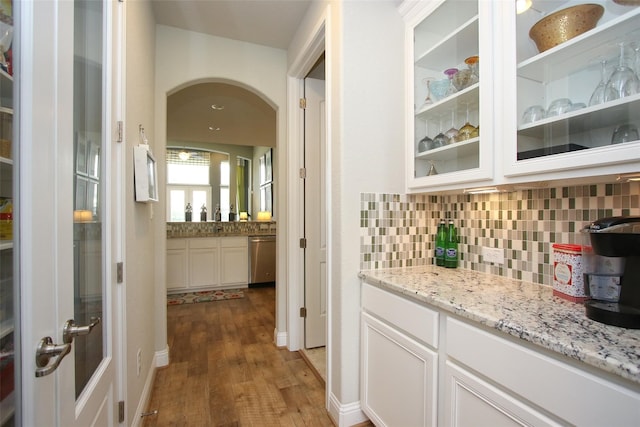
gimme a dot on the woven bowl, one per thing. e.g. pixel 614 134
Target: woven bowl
pixel 565 24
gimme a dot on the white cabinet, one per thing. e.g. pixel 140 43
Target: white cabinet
pixel 513 76
pixel 483 377
pixel 234 258
pixel 399 371
pixel 203 263
pixel 577 143
pixel 449 107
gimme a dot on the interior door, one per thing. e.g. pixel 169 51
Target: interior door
pixel 315 292
pixel 69 228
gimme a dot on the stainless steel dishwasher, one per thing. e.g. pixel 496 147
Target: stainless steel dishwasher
pixel 262 259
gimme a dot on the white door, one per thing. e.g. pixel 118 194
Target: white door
pixel 69 224
pixel 315 292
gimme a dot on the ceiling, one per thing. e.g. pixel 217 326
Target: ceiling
pixel 246 119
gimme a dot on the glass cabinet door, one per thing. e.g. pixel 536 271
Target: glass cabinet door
pixel 448 87
pixel 578 100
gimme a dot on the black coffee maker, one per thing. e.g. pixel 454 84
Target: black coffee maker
pixel 617 241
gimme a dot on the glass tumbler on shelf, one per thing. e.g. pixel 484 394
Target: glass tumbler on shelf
pixel 624 133
pixel 623 82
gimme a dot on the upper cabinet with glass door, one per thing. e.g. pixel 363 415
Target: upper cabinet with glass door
pixel 576 112
pixel 449 51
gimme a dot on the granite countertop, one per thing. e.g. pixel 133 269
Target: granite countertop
pixel 524 310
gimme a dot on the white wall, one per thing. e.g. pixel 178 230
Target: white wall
pixel 140 283
pixel 185 57
pixel 365 75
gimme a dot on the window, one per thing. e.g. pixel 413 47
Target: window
pixel 188 183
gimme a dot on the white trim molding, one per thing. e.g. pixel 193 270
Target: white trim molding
pixel 161 358
pixel 345 414
pixel 280 338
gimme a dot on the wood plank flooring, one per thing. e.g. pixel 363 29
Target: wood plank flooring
pixel 226 371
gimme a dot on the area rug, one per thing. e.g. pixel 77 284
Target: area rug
pixel 204 296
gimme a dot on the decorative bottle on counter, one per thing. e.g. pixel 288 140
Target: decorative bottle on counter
pixel 218 214
pixel 187 212
pixel 451 251
pixel 441 238
pixel 203 213
pixel 232 214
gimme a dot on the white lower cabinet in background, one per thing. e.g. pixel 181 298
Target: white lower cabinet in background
pixel 483 378
pixel 203 263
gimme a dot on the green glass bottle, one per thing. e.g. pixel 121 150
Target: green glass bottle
pixel 441 240
pixel 451 247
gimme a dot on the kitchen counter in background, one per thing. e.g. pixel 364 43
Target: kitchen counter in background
pixel 524 310
pixel 220 229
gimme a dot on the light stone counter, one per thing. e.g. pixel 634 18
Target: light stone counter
pixel 220 229
pixel 524 310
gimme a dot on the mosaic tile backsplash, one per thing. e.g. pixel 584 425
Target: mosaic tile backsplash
pixel 398 230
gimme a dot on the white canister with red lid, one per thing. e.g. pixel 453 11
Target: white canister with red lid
pixel 568 280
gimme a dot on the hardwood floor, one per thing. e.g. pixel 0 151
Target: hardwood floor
pixel 226 371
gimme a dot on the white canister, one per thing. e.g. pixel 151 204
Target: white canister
pixel 568 280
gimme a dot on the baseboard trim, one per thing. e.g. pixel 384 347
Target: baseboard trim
pixel 162 358
pixel 348 414
pixel 148 386
pixel 280 338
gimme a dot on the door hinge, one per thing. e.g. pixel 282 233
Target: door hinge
pixel 119 272
pixel 303 103
pixel 119 131
pixel 121 411
pixel 303 173
pixel 303 312
pixel 303 243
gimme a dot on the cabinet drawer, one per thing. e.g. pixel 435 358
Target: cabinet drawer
pixel 576 396
pixel 233 242
pixel 203 243
pixel 176 243
pixel 411 317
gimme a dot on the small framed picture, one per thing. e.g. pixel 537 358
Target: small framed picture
pixel 80 202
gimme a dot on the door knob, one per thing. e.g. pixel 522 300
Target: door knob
pixel 49 356
pixel 71 330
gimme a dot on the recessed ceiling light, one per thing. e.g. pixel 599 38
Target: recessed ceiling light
pixel 214 128
pixel 217 107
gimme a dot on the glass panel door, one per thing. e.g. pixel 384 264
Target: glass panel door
pixel 9 375
pixel 88 206
pixel 447 90
pixel 579 92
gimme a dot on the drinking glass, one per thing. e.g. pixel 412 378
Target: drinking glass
pixel 623 81
pixel 559 106
pixel 427 100
pixel 466 130
pixel 440 140
pixel 600 94
pixel 425 143
pixel 624 133
pixel 450 73
pixel 533 114
pixel 432 170
pixel 452 133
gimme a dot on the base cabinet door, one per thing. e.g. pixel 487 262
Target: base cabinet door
pixel 177 268
pixel 399 377
pixel 470 402
pixel 234 261
pixel 204 266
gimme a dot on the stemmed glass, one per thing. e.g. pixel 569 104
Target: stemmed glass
pixel 601 93
pixel 623 81
pixel 427 100
pixel 452 133
pixel 466 130
pixel 450 72
pixel 425 143
pixel 440 140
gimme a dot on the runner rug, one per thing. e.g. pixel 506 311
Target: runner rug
pixel 204 296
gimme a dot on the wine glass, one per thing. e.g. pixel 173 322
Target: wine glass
pixel 432 170
pixel 450 72
pixel 425 143
pixel 624 133
pixel 427 100
pixel 623 81
pixel 440 140
pixel 452 133
pixel 600 94
pixel 466 130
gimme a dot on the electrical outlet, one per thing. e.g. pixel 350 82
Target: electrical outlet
pixel 139 367
pixel 493 255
